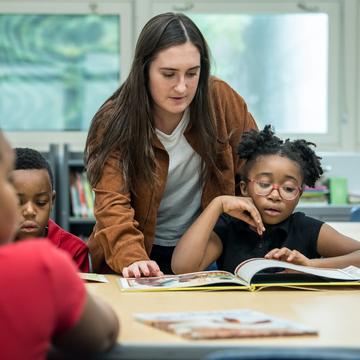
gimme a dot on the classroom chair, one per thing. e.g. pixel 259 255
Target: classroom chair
pixel 276 353
pixel 355 213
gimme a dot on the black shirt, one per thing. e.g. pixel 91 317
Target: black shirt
pixel 240 242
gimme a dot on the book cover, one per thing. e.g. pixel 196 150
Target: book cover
pixel 252 275
pixel 93 277
pixel 74 197
pixel 81 192
pixel 89 196
pixel 338 190
pixel 238 323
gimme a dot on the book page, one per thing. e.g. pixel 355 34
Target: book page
pixel 166 282
pixel 238 323
pixel 247 269
pixel 93 277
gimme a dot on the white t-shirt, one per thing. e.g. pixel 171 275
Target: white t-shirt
pixel 180 205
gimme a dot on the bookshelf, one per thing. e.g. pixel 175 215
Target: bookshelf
pixel 71 178
pixel 52 157
pixel 326 212
pixel 66 162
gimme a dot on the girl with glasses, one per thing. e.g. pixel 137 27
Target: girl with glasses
pixel 263 223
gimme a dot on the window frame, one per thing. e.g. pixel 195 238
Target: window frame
pixel 331 140
pixel 356 86
pixel 344 122
pixel 122 8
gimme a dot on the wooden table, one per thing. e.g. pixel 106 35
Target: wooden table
pixel 335 313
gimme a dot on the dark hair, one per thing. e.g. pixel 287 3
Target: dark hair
pixel 30 159
pixel 254 144
pixel 125 124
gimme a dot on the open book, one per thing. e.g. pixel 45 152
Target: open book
pixel 241 323
pixel 252 274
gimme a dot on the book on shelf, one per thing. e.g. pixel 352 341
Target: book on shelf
pixel 81 194
pixel 74 196
pixel 89 196
pixel 317 195
pixel 251 275
pixel 238 323
pixel 338 187
pixel 354 197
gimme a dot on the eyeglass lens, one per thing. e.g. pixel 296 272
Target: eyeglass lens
pixel 286 192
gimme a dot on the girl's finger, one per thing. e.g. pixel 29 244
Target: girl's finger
pixel 271 253
pixel 292 256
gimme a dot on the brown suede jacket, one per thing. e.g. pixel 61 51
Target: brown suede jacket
pixel 125 224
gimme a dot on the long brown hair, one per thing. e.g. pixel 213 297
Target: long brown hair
pixel 125 122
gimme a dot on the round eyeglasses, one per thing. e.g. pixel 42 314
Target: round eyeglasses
pixel 286 191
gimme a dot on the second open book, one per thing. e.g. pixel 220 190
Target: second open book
pixel 250 275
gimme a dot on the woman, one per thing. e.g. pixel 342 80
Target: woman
pixel 160 149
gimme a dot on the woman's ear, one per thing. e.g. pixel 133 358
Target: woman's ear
pixel 244 188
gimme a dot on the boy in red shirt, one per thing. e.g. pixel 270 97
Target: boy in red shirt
pixel 34 184
pixel 43 300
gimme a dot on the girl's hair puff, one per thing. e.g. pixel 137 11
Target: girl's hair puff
pixel 254 144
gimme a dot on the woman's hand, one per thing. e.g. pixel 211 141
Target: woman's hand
pixel 243 208
pixel 291 256
pixel 142 268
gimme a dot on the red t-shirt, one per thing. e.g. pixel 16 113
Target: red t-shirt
pixel 71 244
pixel 41 296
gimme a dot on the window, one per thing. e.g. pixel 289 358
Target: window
pixel 296 63
pixel 357 79
pixel 283 58
pixel 59 63
pixel 56 69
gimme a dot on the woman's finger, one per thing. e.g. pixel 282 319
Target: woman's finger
pixel 154 269
pixel 143 266
pixel 134 271
pixel 125 272
pixel 283 252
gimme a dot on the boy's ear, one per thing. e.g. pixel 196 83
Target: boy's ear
pixel 244 188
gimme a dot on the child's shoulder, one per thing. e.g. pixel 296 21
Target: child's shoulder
pixel 305 222
pixel 62 238
pixel 300 216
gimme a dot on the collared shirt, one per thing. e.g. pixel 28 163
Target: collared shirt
pixel 298 232
pixel 70 243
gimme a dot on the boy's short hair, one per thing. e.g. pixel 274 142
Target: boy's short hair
pixel 30 159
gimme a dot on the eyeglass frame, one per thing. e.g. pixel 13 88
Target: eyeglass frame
pixel 276 187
